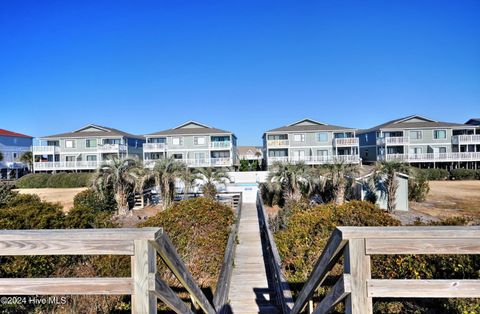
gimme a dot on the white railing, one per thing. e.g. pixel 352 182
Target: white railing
pixel 431 157
pixel 112 148
pixel 348 141
pixel 45 150
pixel 316 160
pixel 153 147
pixel 200 162
pixel 466 139
pixel 395 140
pixel 277 143
pixel 66 165
pixel 226 144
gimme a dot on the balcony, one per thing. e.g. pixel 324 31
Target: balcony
pixel 112 148
pixel 317 160
pixel 395 140
pixel 221 145
pixel 431 157
pixel 277 143
pixel 45 150
pixel 466 139
pixel 66 165
pixel 209 162
pixel 154 147
pixel 345 142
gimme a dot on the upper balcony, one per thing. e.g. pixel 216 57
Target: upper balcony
pixel 466 139
pixel 112 148
pixel 432 157
pixel 345 142
pixel 154 147
pixel 221 144
pixel 45 150
pixel 278 143
pixel 316 160
pixel 395 140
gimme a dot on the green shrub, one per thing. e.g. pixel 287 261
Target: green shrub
pixel 199 230
pixel 463 174
pixel 57 180
pixel 89 198
pixel 6 194
pixel 418 188
pixel 435 174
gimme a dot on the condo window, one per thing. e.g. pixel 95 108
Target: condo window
pixel 91 157
pixel 416 135
pixel 69 158
pixel 177 156
pixel 177 141
pixel 442 150
pixel 199 140
pixel 439 134
pixel 91 143
pixel 322 152
pixel 322 136
pixel 69 143
pixel 416 150
pixel 299 137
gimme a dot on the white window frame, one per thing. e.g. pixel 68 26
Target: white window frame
pixel 322 150
pixel 89 140
pixel 317 135
pixel 416 131
pixel 70 156
pixel 302 137
pixel 180 141
pixel 96 157
pixel 196 142
pixel 444 138
pixel 439 147
pixel 70 141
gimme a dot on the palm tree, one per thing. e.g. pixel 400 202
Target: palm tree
pixel 27 158
pixel 189 178
pixel 165 172
pixel 339 174
pixel 121 175
pixel 292 177
pixel 386 174
pixel 211 177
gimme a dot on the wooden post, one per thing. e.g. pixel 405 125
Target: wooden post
pixel 144 266
pixel 357 264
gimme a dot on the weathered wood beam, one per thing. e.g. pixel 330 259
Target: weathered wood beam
pixel 162 291
pixel 423 246
pixel 338 292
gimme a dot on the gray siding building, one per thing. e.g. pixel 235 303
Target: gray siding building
pixel 12 146
pixel 421 141
pixel 84 149
pixel 194 143
pixel 311 142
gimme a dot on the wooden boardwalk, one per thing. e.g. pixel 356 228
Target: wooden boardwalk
pixel 249 292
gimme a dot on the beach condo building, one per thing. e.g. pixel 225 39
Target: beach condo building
pixel 12 146
pixel 311 142
pixel 195 144
pixel 422 142
pixel 85 149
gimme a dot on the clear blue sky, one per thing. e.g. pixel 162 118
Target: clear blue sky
pixel 245 66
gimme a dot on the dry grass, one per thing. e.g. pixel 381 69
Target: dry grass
pixel 451 198
pixel 62 196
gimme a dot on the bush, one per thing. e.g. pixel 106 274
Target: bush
pixel 6 194
pixel 463 174
pixel 199 230
pixel 435 174
pixel 57 180
pixel 418 188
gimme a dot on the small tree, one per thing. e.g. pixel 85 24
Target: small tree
pixel 292 177
pixel 339 174
pixel 211 177
pixel 189 178
pixel 165 172
pixel 386 173
pixel 27 158
pixel 121 175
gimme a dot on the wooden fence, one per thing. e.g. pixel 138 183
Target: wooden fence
pixel 357 287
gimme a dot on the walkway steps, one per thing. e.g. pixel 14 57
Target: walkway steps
pixel 249 291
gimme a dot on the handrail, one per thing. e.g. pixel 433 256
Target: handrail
pixel 220 297
pixel 144 285
pixel 283 294
pixel 358 243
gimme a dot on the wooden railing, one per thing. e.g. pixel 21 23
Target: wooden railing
pixel 283 295
pixel 145 284
pixel 357 287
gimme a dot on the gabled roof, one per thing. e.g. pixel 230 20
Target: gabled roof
pixel 411 122
pixel 245 150
pixel 308 125
pixel 473 121
pixel 92 130
pixel 190 128
pixel 4 132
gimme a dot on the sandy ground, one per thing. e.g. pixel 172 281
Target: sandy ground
pixel 62 196
pixel 450 198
